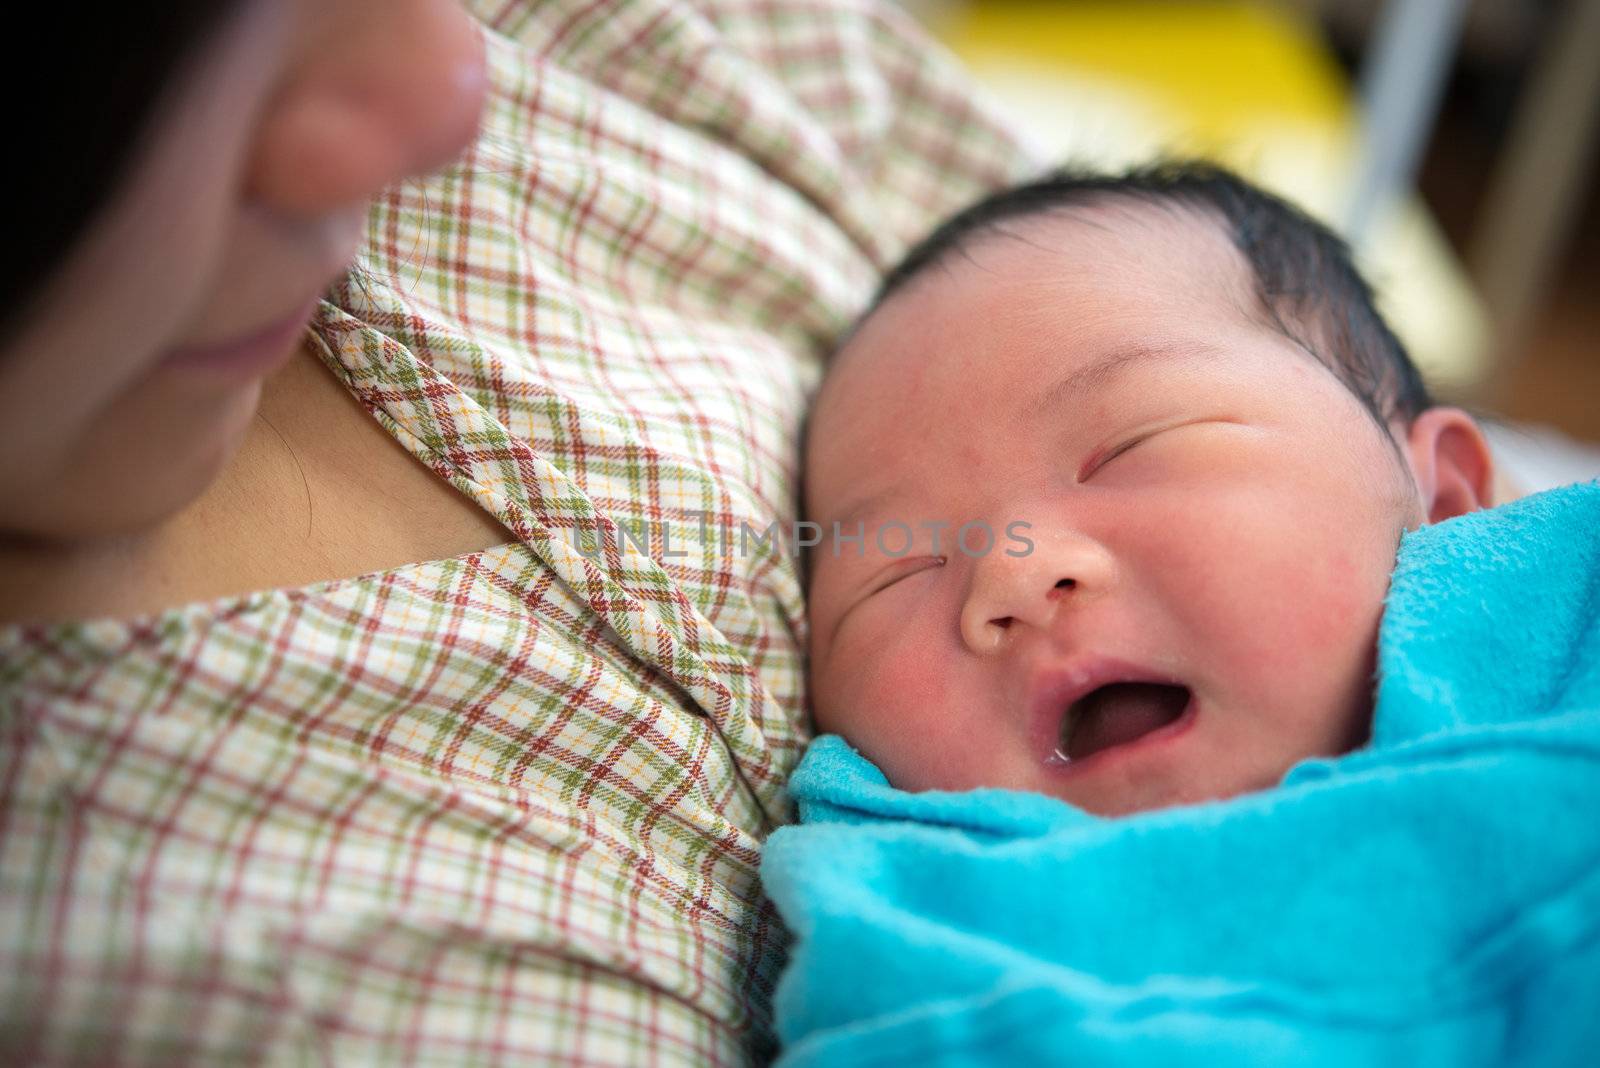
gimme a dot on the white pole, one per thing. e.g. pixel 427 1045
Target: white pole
pixel 1401 84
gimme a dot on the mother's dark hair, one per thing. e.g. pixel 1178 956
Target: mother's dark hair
pixel 76 128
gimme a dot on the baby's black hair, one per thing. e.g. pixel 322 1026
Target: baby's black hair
pixel 1306 282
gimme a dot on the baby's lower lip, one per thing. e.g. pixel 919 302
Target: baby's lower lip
pixel 1142 746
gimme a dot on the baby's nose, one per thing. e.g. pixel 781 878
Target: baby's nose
pixel 1031 590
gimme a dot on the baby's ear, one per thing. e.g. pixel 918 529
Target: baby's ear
pixel 1450 460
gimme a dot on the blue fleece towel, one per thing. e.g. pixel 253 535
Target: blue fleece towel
pixel 1432 899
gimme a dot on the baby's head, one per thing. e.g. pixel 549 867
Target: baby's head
pixel 1173 448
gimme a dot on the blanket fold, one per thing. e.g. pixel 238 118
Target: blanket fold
pixel 1432 898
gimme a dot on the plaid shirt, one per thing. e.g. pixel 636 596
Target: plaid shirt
pixel 506 806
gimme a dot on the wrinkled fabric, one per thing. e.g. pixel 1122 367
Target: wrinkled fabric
pixel 508 807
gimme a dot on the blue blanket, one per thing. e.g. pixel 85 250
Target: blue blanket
pixel 1433 898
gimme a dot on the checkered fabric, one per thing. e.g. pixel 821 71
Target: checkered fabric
pixel 505 807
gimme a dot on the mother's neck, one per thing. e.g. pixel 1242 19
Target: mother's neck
pixel 316 491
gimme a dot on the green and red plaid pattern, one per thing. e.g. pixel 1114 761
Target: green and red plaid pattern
pixel 505 807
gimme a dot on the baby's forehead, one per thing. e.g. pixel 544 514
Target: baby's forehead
pixel 1184 249
pixel 1118 267
pixel 1031 300
pixel 1094 296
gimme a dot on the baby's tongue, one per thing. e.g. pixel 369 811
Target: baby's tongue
pixel 1120 713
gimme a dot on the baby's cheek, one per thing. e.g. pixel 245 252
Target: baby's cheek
pixel 1316 669
pixel 853 689
pixel 1299 619
pixel 899 709
pixel 1345 598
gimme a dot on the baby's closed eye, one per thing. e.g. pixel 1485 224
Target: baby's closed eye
pixel 1187 433
pixel 901 570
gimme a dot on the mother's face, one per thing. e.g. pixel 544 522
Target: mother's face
pixel 133 378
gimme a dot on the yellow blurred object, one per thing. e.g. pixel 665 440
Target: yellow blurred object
pixel 1213 64
pixel 1250 84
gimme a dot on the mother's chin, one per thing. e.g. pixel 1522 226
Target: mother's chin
pixel 144 460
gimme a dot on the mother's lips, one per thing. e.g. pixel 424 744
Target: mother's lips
pixel 250 354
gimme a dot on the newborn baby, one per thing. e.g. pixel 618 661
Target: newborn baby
pixel 1111 479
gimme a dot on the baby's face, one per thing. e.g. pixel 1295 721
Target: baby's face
pixel 1212 518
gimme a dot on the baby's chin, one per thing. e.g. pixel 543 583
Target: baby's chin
pixel 1130 799
pixel 1200 772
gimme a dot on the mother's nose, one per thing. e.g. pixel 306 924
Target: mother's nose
pixel 1007 592
pixel 375 97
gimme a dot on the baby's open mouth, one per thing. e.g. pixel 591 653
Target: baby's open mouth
pixel 1118 713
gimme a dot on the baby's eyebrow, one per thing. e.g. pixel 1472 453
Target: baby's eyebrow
pixel 1102 371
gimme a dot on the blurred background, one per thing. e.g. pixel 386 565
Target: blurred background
pixel 1453 142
